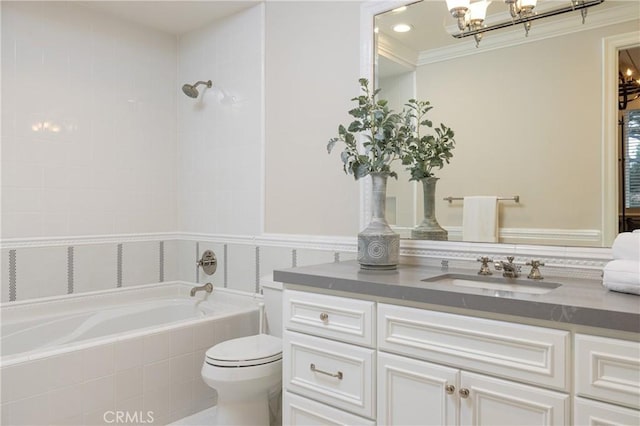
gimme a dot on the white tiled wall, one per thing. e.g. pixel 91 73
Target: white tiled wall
pixel 84 267
pixel 88 123
pixel 242 267
pixel 140 263
pixel 42 272
pixel 220 133
pixel 98 139
pixel 95 267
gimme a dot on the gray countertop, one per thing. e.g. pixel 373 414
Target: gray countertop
pixel 576 301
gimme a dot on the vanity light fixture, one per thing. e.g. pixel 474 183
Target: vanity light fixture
pixel 628 88
pixel 471 16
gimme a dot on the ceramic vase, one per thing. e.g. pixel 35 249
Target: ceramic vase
pixel 429 228
pixel 378 245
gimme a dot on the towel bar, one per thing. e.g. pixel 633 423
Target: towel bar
pixel 515 198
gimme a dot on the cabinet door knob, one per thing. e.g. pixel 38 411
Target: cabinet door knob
pixel 464 392
pixel 450 389
pixel 324 316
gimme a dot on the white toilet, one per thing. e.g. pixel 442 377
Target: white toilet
pixel 246 370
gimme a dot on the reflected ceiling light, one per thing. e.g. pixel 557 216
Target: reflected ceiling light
pixel 399 9
pixel 402 28
pixel 470 16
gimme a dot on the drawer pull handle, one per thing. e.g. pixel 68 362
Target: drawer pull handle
pixel 337 375
pixel 464 392
pixel 450 389
pixel 324 317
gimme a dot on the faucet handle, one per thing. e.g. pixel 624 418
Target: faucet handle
pixel 535 271
pixel 510 259
pixel 484 268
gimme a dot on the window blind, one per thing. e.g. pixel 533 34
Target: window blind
pixel 631 146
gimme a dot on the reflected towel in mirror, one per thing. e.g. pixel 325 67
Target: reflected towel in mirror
pixel 480 219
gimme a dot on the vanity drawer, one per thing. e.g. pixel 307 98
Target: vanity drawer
pixel 331 372
pixel 525 353
pixel 608 369
pixel 300 411
pixel 593 413
pixel 339 318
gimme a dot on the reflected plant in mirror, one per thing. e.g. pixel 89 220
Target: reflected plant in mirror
pixel 423 153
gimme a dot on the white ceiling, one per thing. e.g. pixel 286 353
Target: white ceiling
pixel 174 17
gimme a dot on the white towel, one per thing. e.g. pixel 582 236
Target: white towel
pixel 480 219
pixel 626 246
pixel 622 275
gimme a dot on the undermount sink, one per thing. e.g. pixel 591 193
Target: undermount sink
pixel 500 284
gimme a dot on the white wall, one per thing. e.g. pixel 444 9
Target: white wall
pixel 311 75
pixel 88 123
pixel 220 169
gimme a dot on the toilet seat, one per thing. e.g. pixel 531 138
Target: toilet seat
pixel 245 351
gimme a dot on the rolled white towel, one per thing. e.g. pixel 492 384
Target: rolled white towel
pixel 622 275
pixel 627 246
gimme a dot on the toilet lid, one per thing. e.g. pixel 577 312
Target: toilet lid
pixel 246 351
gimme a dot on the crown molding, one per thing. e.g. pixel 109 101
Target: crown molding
pixel 541 30
pixel 397 52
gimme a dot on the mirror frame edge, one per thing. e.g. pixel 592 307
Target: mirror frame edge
pixel 610 48
pixel 568 256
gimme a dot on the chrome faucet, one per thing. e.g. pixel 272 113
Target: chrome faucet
pixel 510 269
pixel 208 287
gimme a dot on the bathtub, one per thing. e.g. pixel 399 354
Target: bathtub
pixel 132 353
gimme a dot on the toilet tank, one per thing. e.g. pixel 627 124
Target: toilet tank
pixel 272 292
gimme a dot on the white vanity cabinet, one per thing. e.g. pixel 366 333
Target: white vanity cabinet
pixel 328 360
pixel 607 381
pixel 348 361
pixel 419 392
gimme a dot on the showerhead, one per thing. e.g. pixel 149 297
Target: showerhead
pixel 191 91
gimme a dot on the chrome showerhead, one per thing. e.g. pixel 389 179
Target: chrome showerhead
pixel 191 91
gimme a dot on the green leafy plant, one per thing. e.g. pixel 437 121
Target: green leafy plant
pixel 383 131
pixel 424 153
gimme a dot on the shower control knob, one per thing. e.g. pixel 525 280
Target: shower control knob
pixel 208 262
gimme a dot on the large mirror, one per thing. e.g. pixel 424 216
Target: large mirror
pixel 527 114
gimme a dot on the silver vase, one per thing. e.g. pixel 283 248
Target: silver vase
pixel 429 228
pixel 378 245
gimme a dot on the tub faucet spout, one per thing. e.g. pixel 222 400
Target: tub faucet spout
pixel 208 287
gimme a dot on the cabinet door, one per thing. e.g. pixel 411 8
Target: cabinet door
pixel 592 413
pixel 494 402
pixel 412 392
